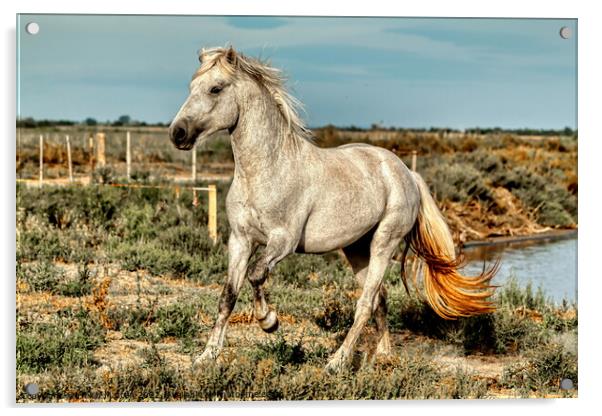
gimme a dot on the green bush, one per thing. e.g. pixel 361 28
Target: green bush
pixel 67 341
pixel 133 321
pixel 310 270
pixel 42 245
pixel 553 204
pixel 513 296
pixel 457 182
pixel 282 352
pixel 507 330
pixel 338 310
pixel 193 241
pixel 160 261
pixel 177 320
pixel 546 366
pixel 80 286
pixel 41 277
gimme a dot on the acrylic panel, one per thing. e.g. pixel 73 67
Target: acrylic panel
pixel 295 208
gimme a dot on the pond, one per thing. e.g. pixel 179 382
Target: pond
pixel 549 265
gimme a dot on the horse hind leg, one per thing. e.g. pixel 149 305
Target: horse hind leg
pixel 359 257
pixel 386 240
pixel 383 348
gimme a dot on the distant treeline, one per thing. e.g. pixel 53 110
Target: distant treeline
pixel 567 131
pixel 126 120
pixel 121 121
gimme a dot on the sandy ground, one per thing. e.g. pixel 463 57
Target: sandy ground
pixel 126 288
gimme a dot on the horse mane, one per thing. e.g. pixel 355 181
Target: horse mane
pixel 272 79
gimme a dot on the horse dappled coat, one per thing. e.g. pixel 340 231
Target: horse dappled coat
pixel 289 195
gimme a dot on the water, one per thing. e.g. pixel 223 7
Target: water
pixel 549 265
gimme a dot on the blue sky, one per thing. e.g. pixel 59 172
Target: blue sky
pixel 401 72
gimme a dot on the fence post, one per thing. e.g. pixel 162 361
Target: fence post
pixel 194 163
pixel 414 153
pixel 100 150
pixel 91 152
pixel 69 158
pixel 212 222
pixel 41 160
pixel 128 156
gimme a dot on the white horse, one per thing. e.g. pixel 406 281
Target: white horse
pixel 289 195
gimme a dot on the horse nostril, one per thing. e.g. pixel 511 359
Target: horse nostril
pixel 178 132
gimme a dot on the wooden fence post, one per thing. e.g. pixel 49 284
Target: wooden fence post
pixel 69 159
pixel 194 163
pixel 212 222
pixel 100 150
pixel 91 152
pixel 41 160
pixel 414 153
pixel 128 156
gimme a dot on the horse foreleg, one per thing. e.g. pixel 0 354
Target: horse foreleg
pixel 239 250
pixel 279 246
pixel 266 317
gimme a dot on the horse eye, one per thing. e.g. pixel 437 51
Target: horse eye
pixel 215 90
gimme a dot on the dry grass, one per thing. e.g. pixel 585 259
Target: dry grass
pixel 291 361
pixel 118 289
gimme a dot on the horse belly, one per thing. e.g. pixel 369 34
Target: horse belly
pixel 331 229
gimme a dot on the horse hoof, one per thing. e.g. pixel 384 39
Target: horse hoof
pixel 210 354
pixel 337 363
pixel 269 323
pixel 334 366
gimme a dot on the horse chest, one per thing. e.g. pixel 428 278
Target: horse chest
pixel 256 218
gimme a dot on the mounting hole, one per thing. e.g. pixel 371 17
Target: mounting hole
pixel 565 32
pixel 566 384
pixel 32 389
pixel 32 28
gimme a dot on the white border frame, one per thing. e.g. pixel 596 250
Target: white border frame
pixel 589 148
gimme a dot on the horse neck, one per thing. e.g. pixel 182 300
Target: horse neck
pixel 262 143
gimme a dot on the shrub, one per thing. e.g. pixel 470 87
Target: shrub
pixel 80 286
pixel 338 310
pixel 310 271
pixel 546 366
pixel 177 320
pixel 552 204
pixel 42 245
pixel 457 182
pixel 159 261
pixel 282 352
pixel 193 241
pixel 41 277
pixel 67 341
pixel 513 296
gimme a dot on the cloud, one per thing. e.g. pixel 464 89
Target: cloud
pixel 255 23
pixel 348 70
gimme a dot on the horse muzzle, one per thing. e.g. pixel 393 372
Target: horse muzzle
pixel 183 135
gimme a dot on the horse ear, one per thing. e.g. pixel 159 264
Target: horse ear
pixel 231 56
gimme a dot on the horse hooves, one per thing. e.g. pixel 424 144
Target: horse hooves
pixel 269 324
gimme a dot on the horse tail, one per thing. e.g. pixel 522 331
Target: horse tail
pixel 447 291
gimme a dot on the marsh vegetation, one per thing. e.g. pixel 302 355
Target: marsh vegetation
pixel 117 290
